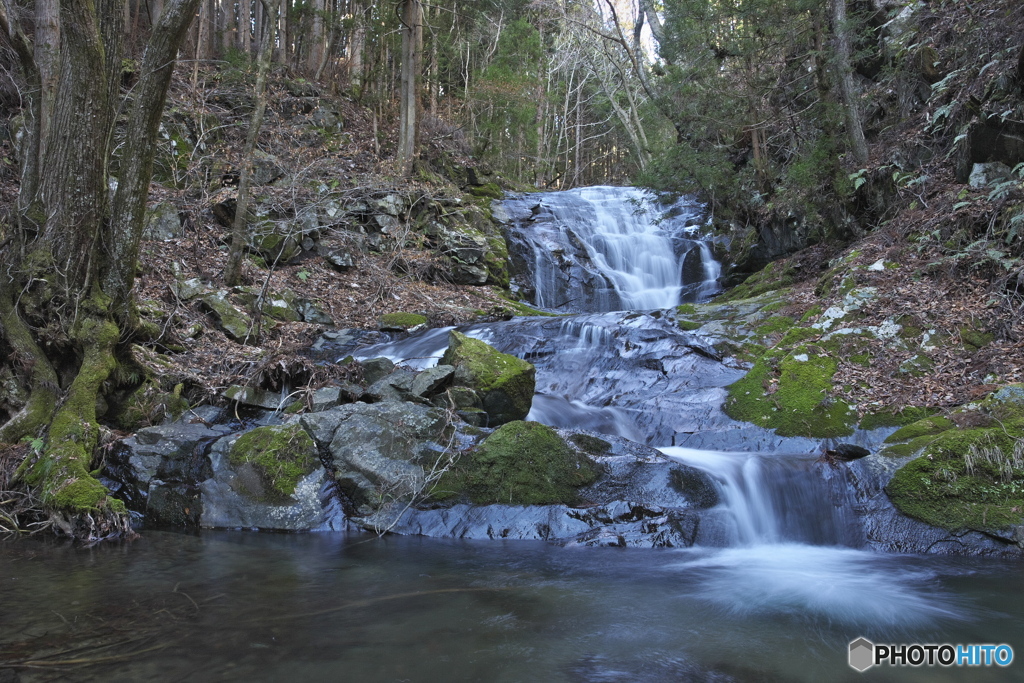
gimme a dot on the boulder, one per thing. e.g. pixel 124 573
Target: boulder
pixel 504 383
pixel 228 318
pixel 381 453
pixel 162 222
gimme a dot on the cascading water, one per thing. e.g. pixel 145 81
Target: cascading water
pixel 610 248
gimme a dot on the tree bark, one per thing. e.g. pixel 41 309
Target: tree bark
pixel 412 50
pixel 851 110
pixel 67 279
pixel 239 238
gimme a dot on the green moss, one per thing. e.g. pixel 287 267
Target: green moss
pixel 511 307
pixel 401 321
pixel 812 312
pixel 791 394
pixel 774 306
pixel 927 426
pixel 591 444
pixel 686 309
pixel 521 463
pixel 775 276
pixel 974 340
pixel 487 191
pixel 505 383
pixel 894 418
pixel 689 325
pixel 797 335
pixel 280 456
pixel 777 323
pixel 948 492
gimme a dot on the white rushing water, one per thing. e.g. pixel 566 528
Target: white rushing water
pixel 614 248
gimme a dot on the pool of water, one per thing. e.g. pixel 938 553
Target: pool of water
pixel 227 606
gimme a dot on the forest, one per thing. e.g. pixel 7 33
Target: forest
pixel 803 126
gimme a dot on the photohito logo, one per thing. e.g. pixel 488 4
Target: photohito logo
pixel 864 654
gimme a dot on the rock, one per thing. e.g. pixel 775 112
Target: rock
pixel 290 107
pixel 983 175
pixel 162 222
pixel 311 313
pixel 521 463
pixel 505 383
pixel 250 396
pixel 231 320
pixel 268 478
pixel 432 380
pixel 640 498
pixel 325 397
pixel 401 322
pixel 392 205
pixel 266 168
pixel 379 452
pixel 339 258
pixel 376 368
pixel 190 289
pixel 172 452
pixel 327 119
pixel 847 452
pixel 396 386
pixel 275 242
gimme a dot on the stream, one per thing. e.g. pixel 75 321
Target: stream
pixel 775 589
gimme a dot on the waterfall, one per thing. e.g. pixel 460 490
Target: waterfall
pixel 772 499
pixel 611 248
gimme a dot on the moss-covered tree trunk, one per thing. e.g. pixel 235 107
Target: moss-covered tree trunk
pixel 66 313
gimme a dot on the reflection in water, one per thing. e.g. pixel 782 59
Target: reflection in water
pixel 272 607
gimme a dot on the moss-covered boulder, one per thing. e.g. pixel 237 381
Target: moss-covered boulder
pixel 230 319
pixel 401 322
pixel 790 392
pixel 521 463
pixel 969 473
pixel 270 461
pixel 504 383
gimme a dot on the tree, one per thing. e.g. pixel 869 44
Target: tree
pixel 233 269
pixel 67 317
pixel 412 56
pixel 854 127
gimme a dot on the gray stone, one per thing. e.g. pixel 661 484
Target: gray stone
pixel 376 368
pixel 392 205
pixel 162 222
pixel 311 313
pixel 228 318
pixel 190 289
pixel 431 380
pixel 983 175
pixel 338 258
pixel 326 397
pixel 251 396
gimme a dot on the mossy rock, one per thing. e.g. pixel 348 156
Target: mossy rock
pixel 401 322
pixel 775 324
pixel 895 418
pixel 689 325
pixel 149 405
pixel 974 340
pixel 790 393
pixel 504 383
pixel 592 445
pixel 776 275
pixel 279 456
pixel 970 469
pixel 487 191
pixel 521 463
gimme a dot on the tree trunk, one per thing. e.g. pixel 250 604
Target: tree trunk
pixel 356 47
pixel 412 50
pixel 239 237
pixel 854 127
pixel 62 279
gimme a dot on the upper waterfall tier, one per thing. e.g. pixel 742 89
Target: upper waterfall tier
pixel 607 249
